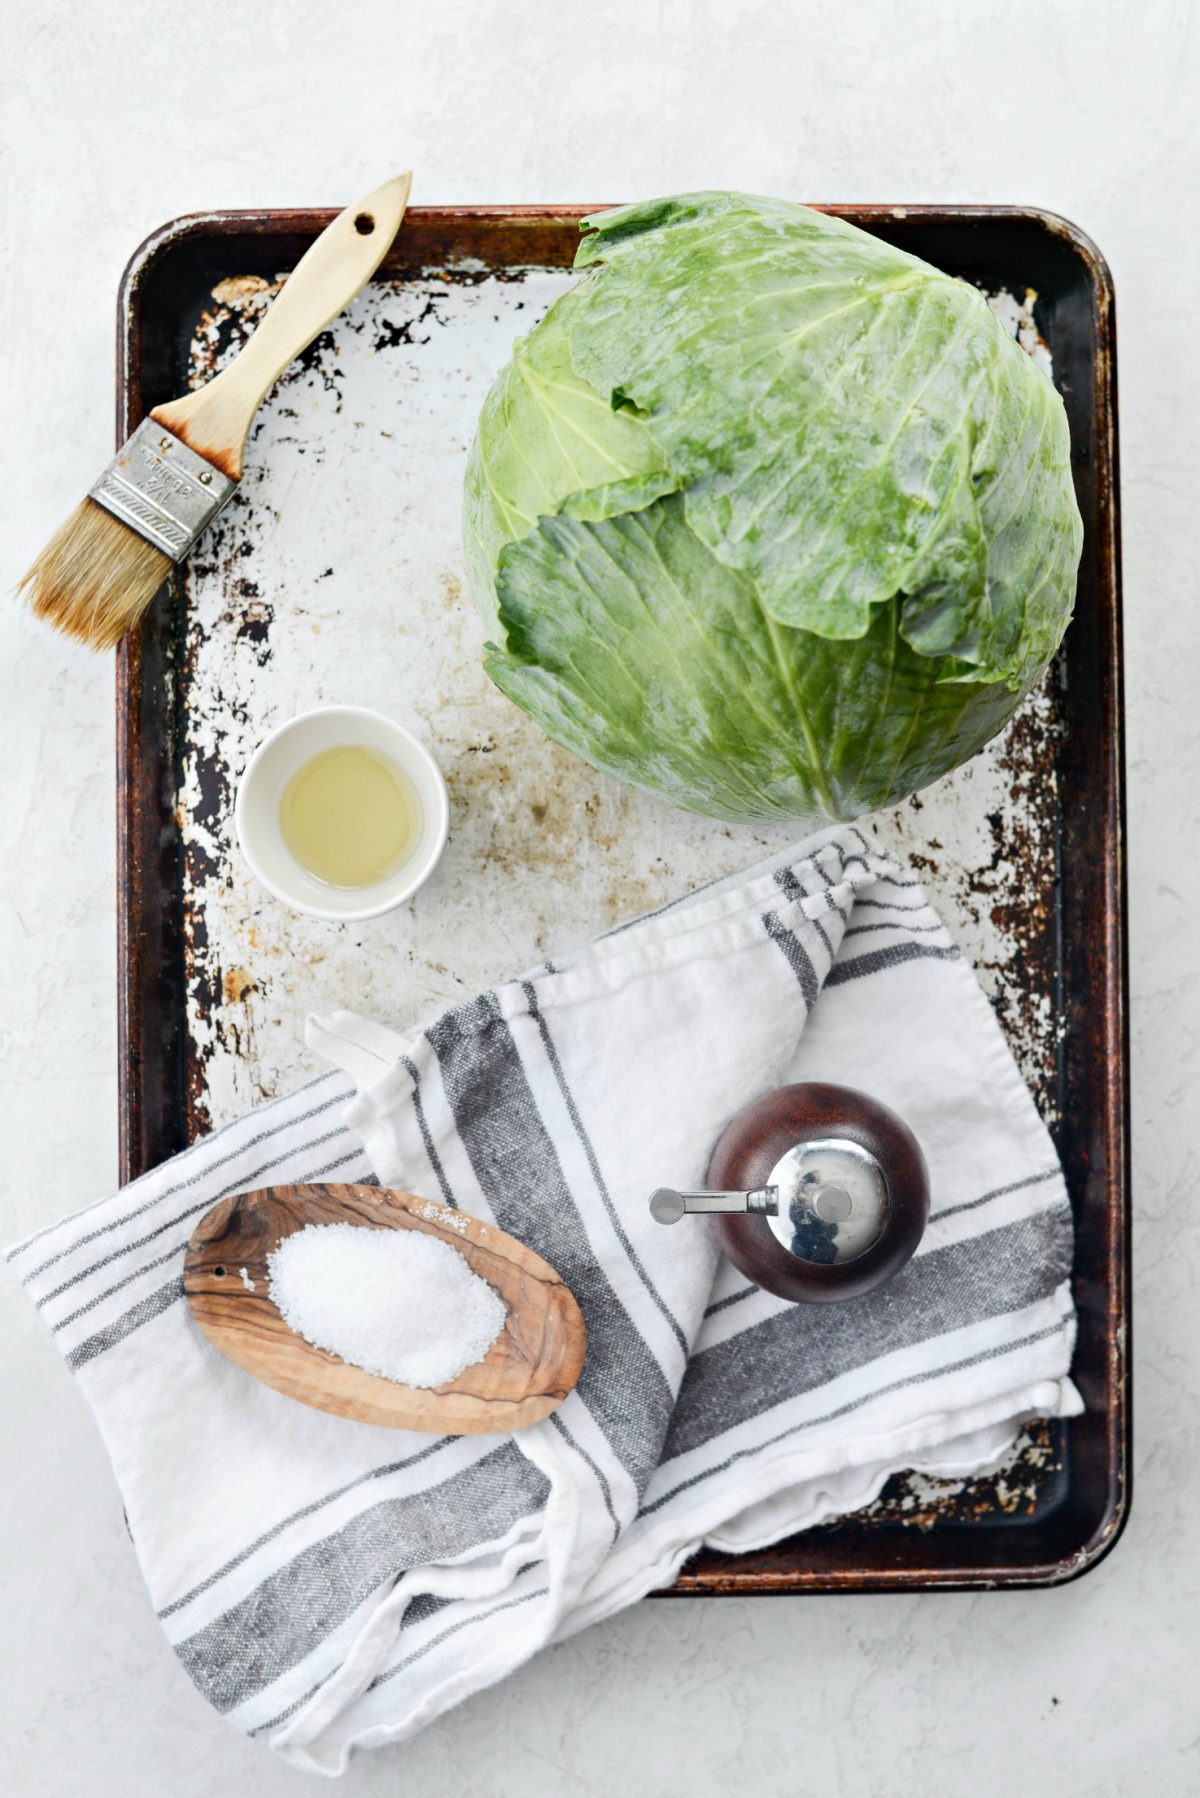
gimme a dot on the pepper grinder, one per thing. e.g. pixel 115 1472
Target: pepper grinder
pixel 817 1193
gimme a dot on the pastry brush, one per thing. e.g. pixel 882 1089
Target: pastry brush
pixel 100 571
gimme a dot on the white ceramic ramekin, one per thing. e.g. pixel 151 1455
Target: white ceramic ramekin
pixel 268 772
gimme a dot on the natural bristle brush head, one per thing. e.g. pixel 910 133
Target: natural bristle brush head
pixel 182 464
pixel 95 577
pixel 100 571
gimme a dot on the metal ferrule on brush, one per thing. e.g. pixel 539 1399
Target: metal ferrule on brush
pixel 162 489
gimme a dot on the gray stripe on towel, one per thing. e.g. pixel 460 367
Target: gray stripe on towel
pixel 870 929
pixel 188 1157
pixel 241 1184
pixel 150 1307
pixel 998 1192
pixel 893 905
pixel 423 1606
pixel 796 956
pixel 878 959
pixel 517 1166
pixel 891 880
pixel 792 889
pixel 432 1156
pixel 97 1299
pixel 177 1248
pixel 120 1327
pixel 855 1404
pixel 509 1604
pixel 733 1298
pixel 601 1480
pixel 287 1616
pixel 309 1510
pixel 806 1346
pixel 593 1162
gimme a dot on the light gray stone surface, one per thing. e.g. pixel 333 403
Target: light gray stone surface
pixel 115 117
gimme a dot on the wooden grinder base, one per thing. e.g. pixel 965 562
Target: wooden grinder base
pixel 755 1142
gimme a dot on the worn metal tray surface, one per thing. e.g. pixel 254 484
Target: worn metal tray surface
pixel 334 575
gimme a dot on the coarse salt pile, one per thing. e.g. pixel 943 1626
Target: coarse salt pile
pixel 393 1302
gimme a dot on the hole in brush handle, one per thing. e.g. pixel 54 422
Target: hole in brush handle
pixel 364 224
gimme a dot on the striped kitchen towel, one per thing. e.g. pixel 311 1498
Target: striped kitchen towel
pixel 332 1586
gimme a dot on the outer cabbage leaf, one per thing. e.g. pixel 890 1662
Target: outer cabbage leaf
pixel 849 425
pixel 547 439
pixel 658 664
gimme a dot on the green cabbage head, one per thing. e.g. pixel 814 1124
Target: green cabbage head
pixel 767 516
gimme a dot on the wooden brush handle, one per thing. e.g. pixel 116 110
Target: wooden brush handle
pixel 216 420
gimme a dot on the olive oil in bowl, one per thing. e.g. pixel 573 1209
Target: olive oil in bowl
pixel 350 816
pixel 342 813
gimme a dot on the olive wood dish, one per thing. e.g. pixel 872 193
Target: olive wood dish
pixel 525 1375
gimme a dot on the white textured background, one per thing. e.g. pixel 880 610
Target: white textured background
pixel 114 117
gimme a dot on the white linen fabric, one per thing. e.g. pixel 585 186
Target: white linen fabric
pixel 332 1586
